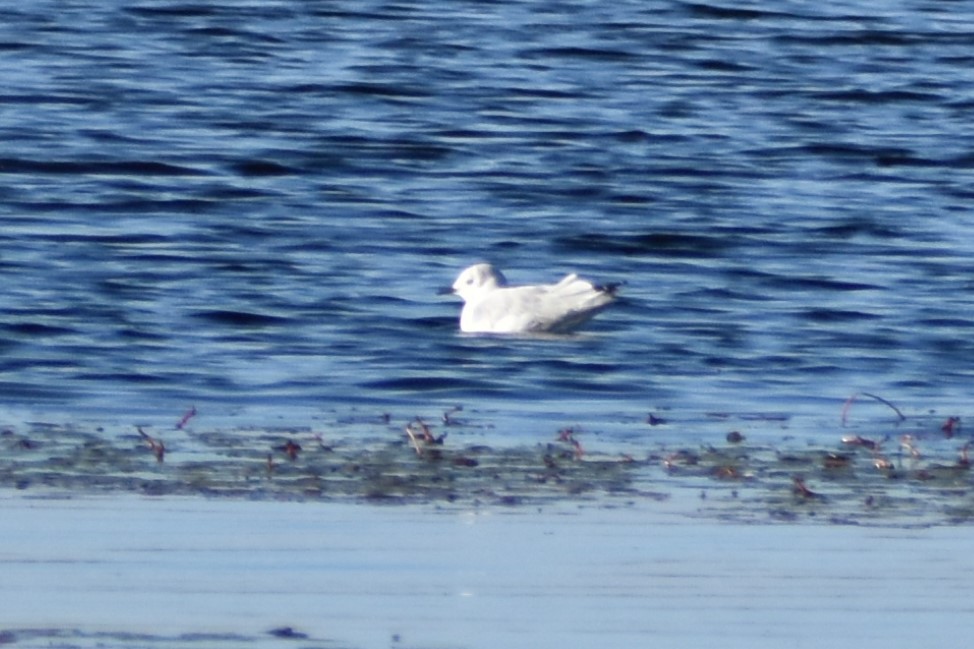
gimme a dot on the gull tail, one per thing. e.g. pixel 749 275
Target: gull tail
pixel 611 288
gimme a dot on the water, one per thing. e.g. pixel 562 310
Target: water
pixel 249 206
pixel 196 574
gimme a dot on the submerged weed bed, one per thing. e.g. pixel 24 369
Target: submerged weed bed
pixel 898 478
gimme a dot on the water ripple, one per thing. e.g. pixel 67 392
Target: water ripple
pixel 254 203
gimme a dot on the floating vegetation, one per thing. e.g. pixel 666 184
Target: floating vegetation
pixel 920 477
pixel 293 464
pixel 57 638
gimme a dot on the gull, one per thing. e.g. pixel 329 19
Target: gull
pixel 491 306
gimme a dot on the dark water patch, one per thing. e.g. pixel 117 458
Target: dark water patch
pixel 235 35
pixel 722 296
pixel 257 168
pixel 242 319
pixel 393 214
pixel 120 240
pixel 962 161
pixel 844 37
pixel 817 284
pixel 532 92
pixel 127 378
pixel 595 54
pixel 847 151
pixel 630 199
pixel 947 322
pixel 358 148
pixel 221 192
pixel 261 269
pixel 879 345
pixel 908 160
pixel 592 387
pixel 568 366
pixel 862 96
pixel 836 315
pixel 46 393
pixel 467 134
pixel 178 10
pixel 729 67
pixel 52 100
pixel 723 12
pixel 37 329
pixel 433 383
pixel 95 168
pixel 663 244
pixel 435 323
pixel 10 46
pixel 859 227
pixel 141 335
pixel 114 137
pixel 384 91
pixel 123 206
pixel 634 136
pixel 316 89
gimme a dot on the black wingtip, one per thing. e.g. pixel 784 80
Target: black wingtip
pixel 611 288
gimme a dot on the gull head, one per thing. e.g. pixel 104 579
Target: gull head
pixel 476 280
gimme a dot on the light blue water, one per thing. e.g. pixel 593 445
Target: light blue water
pixel 249 206
pixel 225 573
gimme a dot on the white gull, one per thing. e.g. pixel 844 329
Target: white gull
pixel 491 306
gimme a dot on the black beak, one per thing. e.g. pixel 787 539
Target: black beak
pixel 446 290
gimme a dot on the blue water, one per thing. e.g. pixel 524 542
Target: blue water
pixel 249 206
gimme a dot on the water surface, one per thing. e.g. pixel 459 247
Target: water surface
pixel 198 574
pixel 248 207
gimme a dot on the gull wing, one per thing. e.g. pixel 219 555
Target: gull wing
pixel 554 308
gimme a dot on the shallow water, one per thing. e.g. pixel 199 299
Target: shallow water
pixel 192 573
pixel 249 206
pixel 918 476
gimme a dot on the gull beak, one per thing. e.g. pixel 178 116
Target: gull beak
pixel 446 290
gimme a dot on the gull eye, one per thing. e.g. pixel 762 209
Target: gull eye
pixel 469 281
